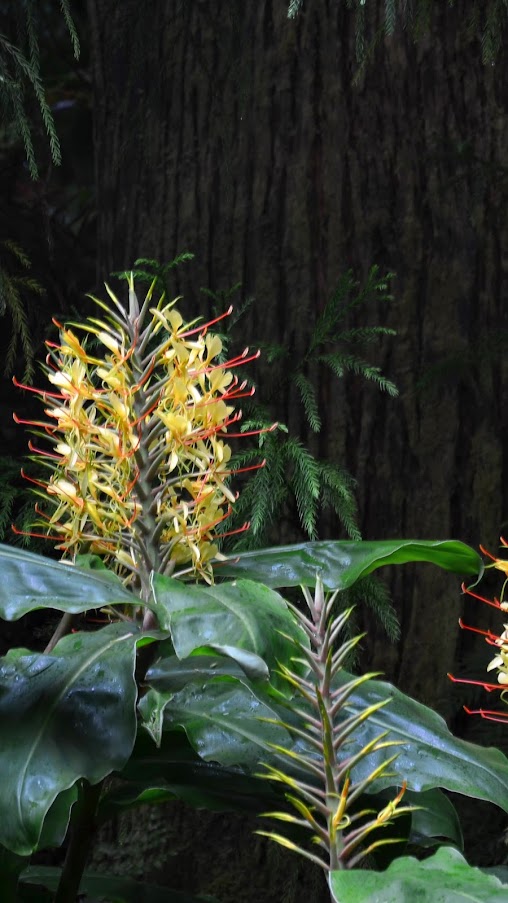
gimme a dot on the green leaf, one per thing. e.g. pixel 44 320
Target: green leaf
pixel 171 674
pixel 11 866
pixel 429 755
pixel 175 771
pixel 222 720
pixel 64 716
pixel 445 877
pixel 437 820
pixel 340 564
pixel 30 581
pixel 113 889
pixel 243 614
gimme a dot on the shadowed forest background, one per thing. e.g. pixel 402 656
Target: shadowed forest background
pixel 284 153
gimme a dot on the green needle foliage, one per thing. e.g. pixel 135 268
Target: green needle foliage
pixel 324 797
pixel 15 285
pixel 485 20
pixel 20 75
pixel 293 477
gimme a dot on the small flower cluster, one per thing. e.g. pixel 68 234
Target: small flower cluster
pixel 500 641
pixel 137 421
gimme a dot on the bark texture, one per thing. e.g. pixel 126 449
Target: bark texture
pixel 225 129
pixel 228 130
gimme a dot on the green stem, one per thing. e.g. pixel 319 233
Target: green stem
pixel 81 835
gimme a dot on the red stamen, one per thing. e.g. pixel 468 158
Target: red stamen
pixel 242 529
pixel 35 535
pixel 33 480
pixel 267 429
pixel 234 362
pixel 469 592
pixel 475 683
pixel 31 422
pixel 205 326
pixel 492 638
pixel 244 469
pixel 41 392
pixel 488 714
pixel 45 454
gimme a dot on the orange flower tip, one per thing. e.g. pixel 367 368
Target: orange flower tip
pixel 56 323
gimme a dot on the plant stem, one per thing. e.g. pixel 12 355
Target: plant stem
pixel 80 840
pixel 63 628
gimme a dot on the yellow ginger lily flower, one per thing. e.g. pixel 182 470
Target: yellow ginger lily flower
pixel 139 463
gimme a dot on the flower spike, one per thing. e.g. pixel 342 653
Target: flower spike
pixel 139 462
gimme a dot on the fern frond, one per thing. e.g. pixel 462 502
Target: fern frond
pixel 390 16
pixel 17 252
pixel 370 591
pixel 365 334
pixel 20 70
pixel 294 8
pixel 12 287
pixel 309 400
pixel 262 499
pixel 340 363
pixel 273 352
pixel 71 27
pixel 337 492
pixel 334 311
pixel 304 478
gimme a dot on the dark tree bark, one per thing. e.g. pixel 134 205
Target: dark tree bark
pixel 226 129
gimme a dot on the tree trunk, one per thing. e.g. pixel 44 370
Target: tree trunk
pixel 225 129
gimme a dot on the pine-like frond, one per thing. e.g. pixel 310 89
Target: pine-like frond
pixel 365 334
pixel 487 21
pixel 337 492
pixel 309 400
pixel 20 75
pixel 262 497
pixel 340 363
pixel 334 311
pixel 303 474
pixel 370 591
pixel 294 8
pixel 13 290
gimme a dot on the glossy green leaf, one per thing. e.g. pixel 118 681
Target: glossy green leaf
pixel 175 771
pixel 31 581
pixel 11 866
pixel 56 821
pixel 222 721
pixel 436 821
pixel 63 716
pixel 112 889
pixel 429 755
pixel 445 877
pixel 340 564
pixel 171 674
pixel 243 614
